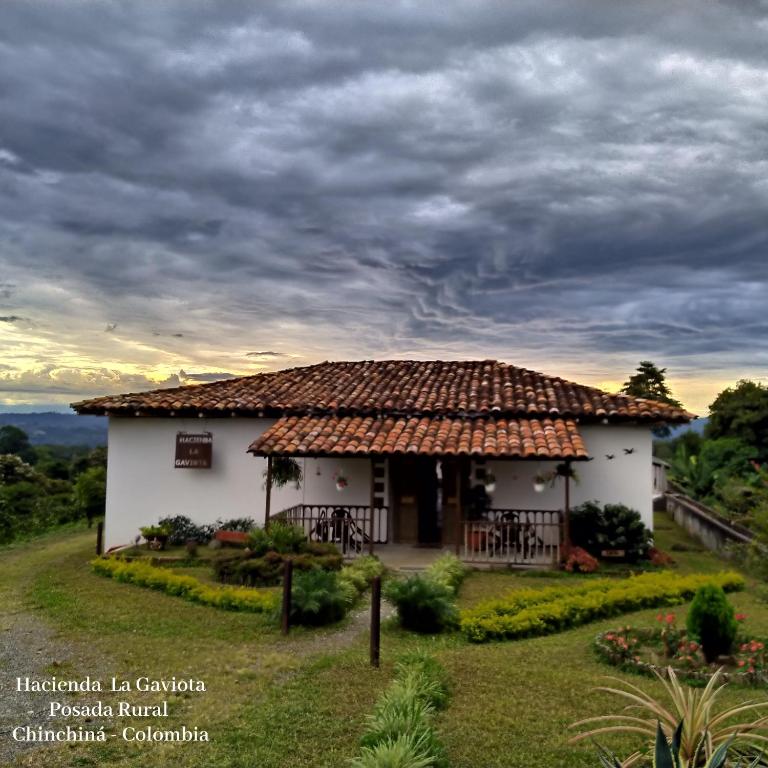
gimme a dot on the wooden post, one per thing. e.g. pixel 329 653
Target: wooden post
pixel 285 618
pixel 567 512
pixel 373 498
pixel 100 538
pixel 269 492
pixel 459 511
pixel 375 621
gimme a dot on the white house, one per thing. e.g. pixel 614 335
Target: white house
pixel 480 456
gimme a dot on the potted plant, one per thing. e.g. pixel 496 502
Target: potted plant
pixel 156 536
pixel 340 479
pixel 490 482
pixel 539 482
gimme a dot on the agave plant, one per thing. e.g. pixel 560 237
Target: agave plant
pixel 667 755
pixel 703 728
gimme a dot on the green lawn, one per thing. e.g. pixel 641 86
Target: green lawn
pixel 302 701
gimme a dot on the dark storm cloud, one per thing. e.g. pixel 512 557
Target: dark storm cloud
pixel 521 180
pixel 198 378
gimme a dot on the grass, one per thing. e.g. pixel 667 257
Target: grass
pixel 302 701
pixel 513 701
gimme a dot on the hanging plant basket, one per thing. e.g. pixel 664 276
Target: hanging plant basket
pixel 490 482
pixel 561 471
pixel 341 480
pixel 285 470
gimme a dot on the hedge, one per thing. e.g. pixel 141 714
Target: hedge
pixel 268 570
pixel 532 612
pixel 188 587
pixel 401 732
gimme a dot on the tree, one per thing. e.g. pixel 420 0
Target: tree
pixel 90 492
pixel 16 441
pixel 650 382
pixel 742 412
pixel 716 461
pixel 13 469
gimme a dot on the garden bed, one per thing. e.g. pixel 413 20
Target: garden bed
pixel 651 650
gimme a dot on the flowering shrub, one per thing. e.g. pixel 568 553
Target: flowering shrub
pixel 579 560
pixel 670 634
pixel 188 587
pixel 750 658
pixel 689 655
pixel 621 645
pixel 659 558
pixel 530 612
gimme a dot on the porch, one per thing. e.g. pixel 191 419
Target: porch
pixel 468 485
pixel 503 537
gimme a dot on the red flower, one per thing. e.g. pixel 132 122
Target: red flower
pixel 740 616
pixel 670 618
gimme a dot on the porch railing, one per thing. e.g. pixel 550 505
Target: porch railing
pixel 514 537
pixel 346 526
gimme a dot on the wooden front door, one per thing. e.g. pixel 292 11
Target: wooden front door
pixel 455 473
pixel 415 500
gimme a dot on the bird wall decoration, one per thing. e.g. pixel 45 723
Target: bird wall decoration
pixel 627 451
pixel 610 456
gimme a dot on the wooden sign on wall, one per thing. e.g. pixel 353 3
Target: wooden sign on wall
pixel 194 451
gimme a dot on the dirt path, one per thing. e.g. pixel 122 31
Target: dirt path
pixel 328 640
pixel 31 648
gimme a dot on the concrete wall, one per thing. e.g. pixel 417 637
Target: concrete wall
pixel 625 479
pixel 704 524
pixel 143 485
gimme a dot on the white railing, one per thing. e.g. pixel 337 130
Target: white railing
pixel 514 537
pixel 346 526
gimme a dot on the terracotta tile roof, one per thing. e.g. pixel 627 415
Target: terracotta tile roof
pixel 396 387
pixel 431 435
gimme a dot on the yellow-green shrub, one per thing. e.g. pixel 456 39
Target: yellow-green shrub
pixel 447 570
pixel 164 580
pixel 529 612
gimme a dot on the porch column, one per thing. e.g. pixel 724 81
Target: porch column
pixel 373 497
pixel 268 500
pixel 458 514
pixel 567 511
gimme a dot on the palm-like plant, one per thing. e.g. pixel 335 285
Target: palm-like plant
pixel 666 755
pixel 703 727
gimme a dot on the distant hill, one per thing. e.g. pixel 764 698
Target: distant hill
pixel 59 428
pixel 695 426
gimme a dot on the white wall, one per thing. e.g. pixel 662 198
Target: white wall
pixel 321 489
pixel 626 479
pixel 143 485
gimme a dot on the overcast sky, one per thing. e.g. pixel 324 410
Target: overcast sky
pixel 190 189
